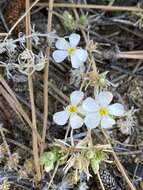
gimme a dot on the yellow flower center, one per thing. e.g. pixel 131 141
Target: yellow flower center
pixel 71 50
pixel 103 111
pixel 72 109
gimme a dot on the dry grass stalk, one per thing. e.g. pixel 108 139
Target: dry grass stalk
pixel 10 97
pixel 118 163
pixel 130 55
pixel 59 92
pixel 19 145
pixel 31 94
pixel 3 34
pixel 100 180
pixel 93 6
pixel 10 100
pixel 46 76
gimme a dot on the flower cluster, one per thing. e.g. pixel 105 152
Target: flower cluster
pixel 91 112
pixel 83 110
pixel 128 122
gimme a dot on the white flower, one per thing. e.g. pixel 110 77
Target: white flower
pixel 72 112
pixel 100 112
pixel 69 49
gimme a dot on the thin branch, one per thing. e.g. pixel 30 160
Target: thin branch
pixel 31 94
pixel 53 175
pixel 130 55
pixel 3 34
pixel 118 163
pixel 46 76
pixel 102 186
pixel 21 18
pixel 9 95
pixel 93 6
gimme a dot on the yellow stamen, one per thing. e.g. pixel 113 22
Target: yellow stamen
pixel 72 109
pixel 71 50
pixel 103 111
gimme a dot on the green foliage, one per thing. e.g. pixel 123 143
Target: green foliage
pixel 49 158
pixel 95 157
pixel 95 165
pixel 71 24
pixel 83 21
pixel 69 21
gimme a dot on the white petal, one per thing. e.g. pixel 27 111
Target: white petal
pixel 90 105
pixel 105 98
pixel 76 97
pixel 116 109
pixel 82 54
pixel 76 121
pixel 76 63
pixel 80 110
pixel 61 117
pixel 62 44
pixel 74 39
pixel 107 122
pixel 92 120
pixel 59 55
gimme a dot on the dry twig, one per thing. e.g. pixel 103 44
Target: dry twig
pixel 46 76
pixel 31 94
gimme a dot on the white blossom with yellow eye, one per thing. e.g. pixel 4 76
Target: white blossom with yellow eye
pixel 69 49
pixel 99 112
pixel 72 112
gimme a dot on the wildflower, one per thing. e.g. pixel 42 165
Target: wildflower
pixel 69 49
pixel 29 166
pixel 72 112
pixel 12 161
pixel 27 62
pixel 100 112
pixel 128 123
pixel 99 80
pixel 41 62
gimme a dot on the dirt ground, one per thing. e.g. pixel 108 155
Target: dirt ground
pixel 116 38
